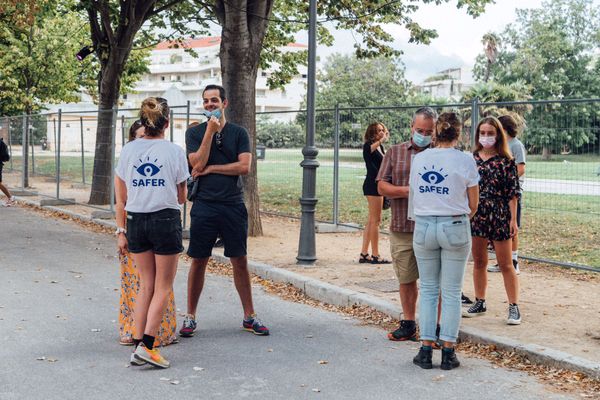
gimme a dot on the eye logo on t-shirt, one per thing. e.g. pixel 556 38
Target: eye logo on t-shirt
pixel 148 170
pixel 433 178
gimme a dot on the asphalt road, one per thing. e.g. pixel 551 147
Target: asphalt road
pixel 59 300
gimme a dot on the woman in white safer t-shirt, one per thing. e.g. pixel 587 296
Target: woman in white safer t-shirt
pixel 150 184
pixel 445 192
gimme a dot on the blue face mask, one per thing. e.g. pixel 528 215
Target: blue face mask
pixel 208 114
pixel 421 140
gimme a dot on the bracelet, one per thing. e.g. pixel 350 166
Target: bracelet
pixel 120 230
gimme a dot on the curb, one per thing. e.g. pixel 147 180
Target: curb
pixel 340 296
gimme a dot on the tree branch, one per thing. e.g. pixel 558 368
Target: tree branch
pixel 163 8
pixel 104 10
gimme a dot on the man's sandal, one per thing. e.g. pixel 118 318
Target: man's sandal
pixel 377 260
pixel 364 258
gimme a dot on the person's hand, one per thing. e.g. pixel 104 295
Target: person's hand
pixel 207 170
pixel 514 228
pixel 213 125
pixel 386 136
pixel 122 243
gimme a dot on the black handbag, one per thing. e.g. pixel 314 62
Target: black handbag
pixel 387 203
pixel 193 185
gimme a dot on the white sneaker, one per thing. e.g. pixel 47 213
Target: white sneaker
pixel 493 268
pixel 150 356
pixel 135 361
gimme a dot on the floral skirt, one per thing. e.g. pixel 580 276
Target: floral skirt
pixel 130 286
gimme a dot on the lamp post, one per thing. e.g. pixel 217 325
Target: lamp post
pixel 308 201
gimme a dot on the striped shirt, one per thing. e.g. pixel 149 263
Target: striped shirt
pixel 395 169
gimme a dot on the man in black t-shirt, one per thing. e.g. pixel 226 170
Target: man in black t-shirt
pixel 219 153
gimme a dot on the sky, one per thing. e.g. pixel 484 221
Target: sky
pixel 458 43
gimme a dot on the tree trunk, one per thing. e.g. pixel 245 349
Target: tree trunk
pixel 103 162
pixel 241 44
pixel 25 144
pixel 546 153
pixel 487 71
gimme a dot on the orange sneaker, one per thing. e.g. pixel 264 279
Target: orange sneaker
pixel 150 356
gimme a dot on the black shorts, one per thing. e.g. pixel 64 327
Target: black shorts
pixel 1 165
pixel 159 231
pixel 212 219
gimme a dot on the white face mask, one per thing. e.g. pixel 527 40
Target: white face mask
pixel 487 141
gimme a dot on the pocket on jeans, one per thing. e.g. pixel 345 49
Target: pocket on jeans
pixel 457 233
pixel 420 232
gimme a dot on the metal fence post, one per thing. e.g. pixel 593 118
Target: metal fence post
pixel 58 154
pixel 474 119
pixel 171 125
pixel 187 124
pixel 115 112
pixel 122 131
pixel 336 165
pixel 30 130
pixel 10 143
pixel 82 152
pixel 24 171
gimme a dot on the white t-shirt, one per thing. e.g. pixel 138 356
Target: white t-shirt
pixel 439 179
pixel 151 169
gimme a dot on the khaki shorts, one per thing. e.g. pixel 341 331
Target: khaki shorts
pixel 403 257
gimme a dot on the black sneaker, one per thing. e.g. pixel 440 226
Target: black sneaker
pixel 465 301
pixel 406 331
pixel 475 310
pixel 449 360
pixel 514 315
pixel 423 358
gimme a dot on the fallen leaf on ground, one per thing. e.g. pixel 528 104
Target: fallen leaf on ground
pixel 198 369
pixel 323 362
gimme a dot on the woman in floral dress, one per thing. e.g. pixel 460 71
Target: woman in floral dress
pixel 130 285
pixel 496 217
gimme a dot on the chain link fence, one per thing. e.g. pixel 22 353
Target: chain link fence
pixel 561 201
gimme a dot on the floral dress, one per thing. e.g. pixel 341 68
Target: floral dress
pixel 498 184
pixel 130 286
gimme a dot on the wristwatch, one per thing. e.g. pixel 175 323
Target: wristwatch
pixel 120 230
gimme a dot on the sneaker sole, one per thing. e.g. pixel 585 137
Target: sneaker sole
pixel 256 333
pixel 424 366
pixel 472 315
pixel 186 334
pixel 136 362
pixel 410 339
pixel 151 362
pixel 513 322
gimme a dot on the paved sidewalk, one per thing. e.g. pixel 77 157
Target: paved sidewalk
pixel 58 309
pixel 558 326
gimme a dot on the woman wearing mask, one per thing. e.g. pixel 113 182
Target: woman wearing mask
pixel 373 153
pixel 496 217
pixel 444 183
pixel 150 184
pixel 130 285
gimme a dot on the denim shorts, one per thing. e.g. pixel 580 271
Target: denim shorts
pixel 211 219
pixel 159 231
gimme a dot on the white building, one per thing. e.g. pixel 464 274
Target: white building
pixel 450 83
pixel 178 76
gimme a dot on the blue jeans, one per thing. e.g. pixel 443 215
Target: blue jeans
pixel 441 246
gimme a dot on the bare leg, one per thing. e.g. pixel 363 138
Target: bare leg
pixel 480 259
pixel 408 298
pixel 4 190
pixel 195 283
pixel 375 206
pixel 509 275
pixel 166 268
pixel 144 263
pixel 241 278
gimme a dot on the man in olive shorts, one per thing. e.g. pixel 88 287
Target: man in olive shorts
pixel 392 182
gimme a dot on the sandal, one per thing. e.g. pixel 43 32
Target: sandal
pixel 364 258
pixel 377 260
pixel 126 341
